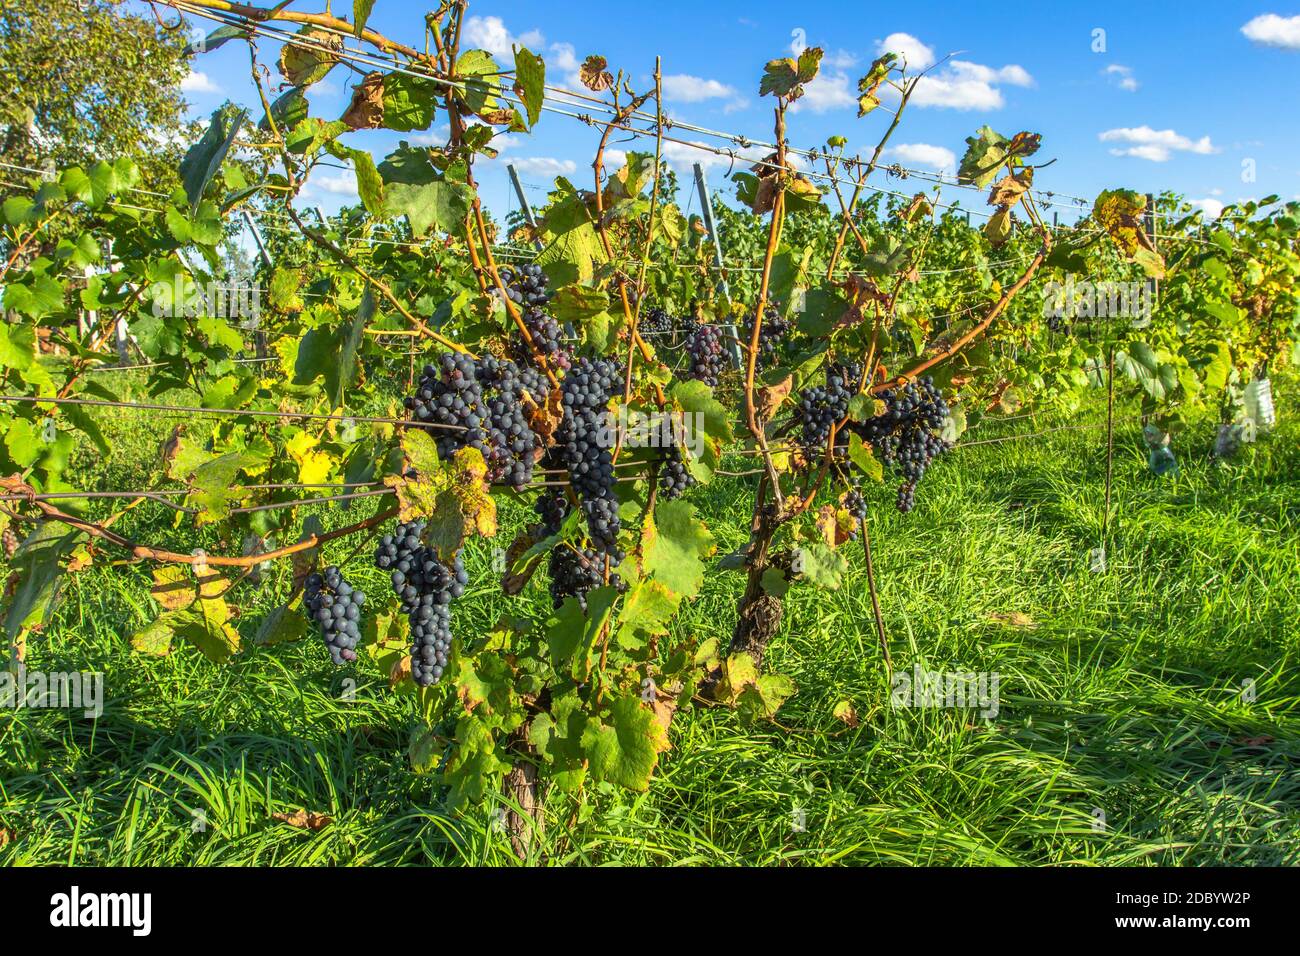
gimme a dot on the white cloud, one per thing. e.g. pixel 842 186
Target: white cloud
pixel 1154 145
pixel 975 73
pixel 683 157
pixel 1122 76
pixel 615 159
pixel 490 33
pixel 962 85
pixel 545 166
pixel 685 88
pixel 433 136
pixel 828 91
pixel 909 48
pixel 1269 29
pixel 199 82
pixel 1210 206
pixel 939 158
pixel 565 60
pixel 336 184
pixel 839 60
pixel 958 84
pixel 695 89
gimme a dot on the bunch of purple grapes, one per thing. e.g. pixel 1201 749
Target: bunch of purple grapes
pixel 905 434
pixel 482 403
pixel 529 289
pixel 705 350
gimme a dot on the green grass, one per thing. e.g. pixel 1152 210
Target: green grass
pixel 1125 696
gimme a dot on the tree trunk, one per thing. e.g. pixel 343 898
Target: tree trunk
pixel 521 787
pixel 759 613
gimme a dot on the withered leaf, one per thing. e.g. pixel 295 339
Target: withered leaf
pixel 593 74
pixel 304 820
pixel 366 111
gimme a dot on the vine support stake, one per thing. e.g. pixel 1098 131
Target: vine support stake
pixel 120 331
pixel 524 205
pixel 875 597
pixel 706 210
pixel 259 337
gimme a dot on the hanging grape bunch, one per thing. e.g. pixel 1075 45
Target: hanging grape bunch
pixel 584 441
pixel 855 504
pixel 336 607
pixel 705 350
pixel 689 323
pixel 552 506
pixel 904 435
pixel 425 586
pixel 771 336
pixel 482 403
pixel 529 289
pixel 674 477
pixel 656 322
pixel 822 407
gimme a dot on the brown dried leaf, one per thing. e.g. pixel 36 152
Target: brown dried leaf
pixel 1006 192
pixel 366 111
pixel 545 419
pixel 593 74
pixel 831 527
pixel 501 117
pixel 1261 741
pixel 7 836
pixel 511 582
pixel 846 712
pixel 82 558
pixel 171 447
pixel 918 208
pixel 304 820
pixel 665 707
pixel 400 671
pixel 770 397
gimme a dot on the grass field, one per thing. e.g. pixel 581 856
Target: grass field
pixel 1123 697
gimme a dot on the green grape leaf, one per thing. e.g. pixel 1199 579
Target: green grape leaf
pixel 415 189
pixel 624 751
pixel 205 157
pixel 571 633
pixel 860 454
pixel 38 565
pixel 764 697
pixel 557 737
pixel 673 543
pixel 360 14
pixel 303 64
pixel 821 566
pixel 408 102
pixel 647 609
pixel 530 82
pixel 475 766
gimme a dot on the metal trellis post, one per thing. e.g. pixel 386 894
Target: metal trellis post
pixel 259 337
pixel 523 204
pixel 706 210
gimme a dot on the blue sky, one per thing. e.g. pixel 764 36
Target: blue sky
pixel 1196 96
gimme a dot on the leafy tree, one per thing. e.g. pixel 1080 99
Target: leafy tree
pixel 87 80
